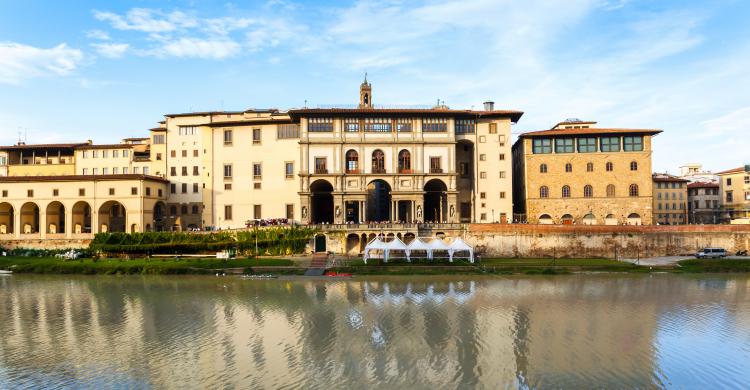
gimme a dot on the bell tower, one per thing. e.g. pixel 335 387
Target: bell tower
pixel 365 94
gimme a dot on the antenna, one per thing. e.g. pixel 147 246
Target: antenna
pixel 305 103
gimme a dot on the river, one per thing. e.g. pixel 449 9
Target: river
pixel 579 331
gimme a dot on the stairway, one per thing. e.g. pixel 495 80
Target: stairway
pixel 317 265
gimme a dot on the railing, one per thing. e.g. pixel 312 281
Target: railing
pixel 405 171
pixel 378 170
pixel 321 171
pixel 387 226
pixel 436 170
pixel 352 171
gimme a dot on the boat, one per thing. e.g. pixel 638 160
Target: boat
pixel 5 272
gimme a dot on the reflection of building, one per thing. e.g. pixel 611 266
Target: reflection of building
pixel 703 202
pixel 670 197
pixel 735 194
pixel 578 173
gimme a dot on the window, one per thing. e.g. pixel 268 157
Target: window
pixel 378 161
pixel 183 209
pixel 85 171
pixel 543 168
pixel 502 156
pixel 145 170
pixel 257 211
pixel 351 125
pixel 133 190
pixel 502 194
pixel 227 137
pixel 501 139
pixel 493 128
pixel 588 191
pixel 482 175
pixel 543 192
pixel 172 171
pixel 587 145
pixel 466 126
pixel 482 157
pixel 105 153
pixel 148 191
pixel 633 166
pixel 321 165
pixel 5 193
pixel 227 170
pixel 729 181
pixel 158 156
pixel 463 169
pixel 747 179
pixel 228 212
pixel 105 171
pixel 227 186
pixel 633 190
pixel 172 153
pixel 483 216
pixel 81 192
pixel 184 171
pixel 94 171
pixel 290 131
pixel 195 170
pixel 289 170
pixel 173 210
pixel 502 174
pixel 115 154
pixel 632 144
pixel 257 186
pixel 187 130
pixel 158 139
pixel 184 188
pixel 95 154
pixel 184 153
pixel 568 167
pixel 611 191
pixel 125 153
pixel 589 167
pixel 435 165
pixel 352 161
pixel 173 188
pixel 195 209
pixel 317 125
pixel 195 152
pixel 289 211
pixel 111 191
pixel 729 197
pixel 542 146
pixel 85 154
pixel 404 161
pixel 403 125
pixel 257 171
pixel 378 125
pixel 434 125
pixel 564 145
pixel 55 192
pixel 256 136
pixel 566 191
pixel 195 188
pixel 610 166
pixel 482 195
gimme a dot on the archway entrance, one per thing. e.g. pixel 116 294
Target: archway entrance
pixel 545 219
pixel 567 219
pixel 352 244
pixel 321 202
pixel 29 218
pixel 55 218
pixel 634 219
pixel 589 219
pixel 6 218
pixel 81 218
pixel 160 213
pixel 320 243
pixel 435 201
pixel 112 217
pixel 378 201
pixel 610 219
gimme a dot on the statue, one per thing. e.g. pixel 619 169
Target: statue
pixel 453 211
pixel 338 211
pixel 304 211
pixel 419 211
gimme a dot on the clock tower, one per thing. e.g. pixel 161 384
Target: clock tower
pixel 365 94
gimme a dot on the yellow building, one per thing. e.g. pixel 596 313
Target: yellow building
pixel 735 195
pixel 579 173
pixel 670 199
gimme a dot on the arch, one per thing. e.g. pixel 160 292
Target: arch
pixel 362 243
pixel 159 214
pixel 544 192
pixel 568 167
pixel 609 166
pixel 611 191
pixel 378 161
pixel 321 202
pixel 409 237
pixel 633 190
pixel 134 228
pixel 567 219
pixel 29 218
pixel 352 244
pixel 352 161
pixel 404 161
pixel 7 218
pixel 589 219
pixel 633 165
pixel 173 210
pixel 55 218
pixel 610 219
pixel 320 243
pixel 566 191
pixel 435 201
pixel 590 167
pixel 378 201
pixel 545 219
pixel 81 212
pixel 634 219
pixel 588 191
pixel 543 168
pixel 112 217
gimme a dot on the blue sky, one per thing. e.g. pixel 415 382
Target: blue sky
pixel 71 71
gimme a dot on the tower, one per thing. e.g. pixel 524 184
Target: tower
pixel 365 94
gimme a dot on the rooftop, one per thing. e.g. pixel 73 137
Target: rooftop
pixel 703 184
pixel 22 146
pixel 587 131
pixel 665 177
pixel 734 170
pixel 20 179
pixel 512 114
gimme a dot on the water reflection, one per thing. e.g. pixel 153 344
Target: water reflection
pixel 569 332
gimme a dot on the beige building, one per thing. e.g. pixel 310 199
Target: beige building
pixel 670 199
pixel 735 194
pixel 704 202
pixel 579 173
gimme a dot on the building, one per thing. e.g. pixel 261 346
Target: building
pixel 576 172
pixel 670 199
pixel 703 202
pixel 694 172
pixel 734 186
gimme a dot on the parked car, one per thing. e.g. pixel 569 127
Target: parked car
pixel 711 253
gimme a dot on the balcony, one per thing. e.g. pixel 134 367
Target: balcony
pixel 405 171
pixel 321 171
pixel 378 170
pixel 352 171
pixel 436 170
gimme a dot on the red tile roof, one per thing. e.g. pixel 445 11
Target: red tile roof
pixel 514 115
pixel 730 171
pixel 663 177
pixel 703 184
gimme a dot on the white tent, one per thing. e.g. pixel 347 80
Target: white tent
pixel 375 244
pixel 393 245
pixel 459 245
pixel 416 245
pixel 436 245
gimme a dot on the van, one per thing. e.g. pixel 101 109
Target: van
pixel 711 253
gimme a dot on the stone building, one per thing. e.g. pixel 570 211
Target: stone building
pixel 735 195
pixel 576 172
pixel 670 199
pixel 703 202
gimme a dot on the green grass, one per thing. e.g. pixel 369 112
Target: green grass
pixel 46 265
pixel 714 265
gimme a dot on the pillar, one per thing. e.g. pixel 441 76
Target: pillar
pixel 17 222
pixel 69 222
pixel 95 228
pixel 43 223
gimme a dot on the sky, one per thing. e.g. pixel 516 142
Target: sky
pixel 72 71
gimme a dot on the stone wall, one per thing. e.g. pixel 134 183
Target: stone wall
pixel 45 244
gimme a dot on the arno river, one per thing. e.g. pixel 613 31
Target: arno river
pixel 582 331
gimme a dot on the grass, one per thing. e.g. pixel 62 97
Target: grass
pixel 714 265
pixel 160 266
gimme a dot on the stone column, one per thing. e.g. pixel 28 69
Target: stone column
pixel 69 222
pixel 17 222
pixel 42 224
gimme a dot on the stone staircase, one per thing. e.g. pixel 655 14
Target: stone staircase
pixel 317 265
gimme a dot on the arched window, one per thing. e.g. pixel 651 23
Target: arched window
pixel 543 168
pixel 588 191
pixel 195 209
pixel 610 166
pixel 352 161
pixel 566 192
pixel 172 210
pixel 611 191
pixel 378 161
pixel 590 167
pixel 633 166
pixel 404 161
pixel 568 167
pixel 543 192
pixel 633 191
pixel 184 209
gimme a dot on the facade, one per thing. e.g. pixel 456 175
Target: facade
pixel 670 199
pixel 734 186
pixel 703 202
pixel 579 173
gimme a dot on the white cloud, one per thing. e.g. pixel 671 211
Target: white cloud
pixel 197 48
pixel 111 50
pixel 147 20
pixel 19 62
pixel 97 34
pixel 736 122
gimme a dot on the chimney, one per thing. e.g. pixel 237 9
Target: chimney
pixel 489 105
pixel 88 141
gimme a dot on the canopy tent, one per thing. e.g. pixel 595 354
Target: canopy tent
pixel 394 245
pixel 416 245
pixel 459 245
pixel 436 245
pixel 374 245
